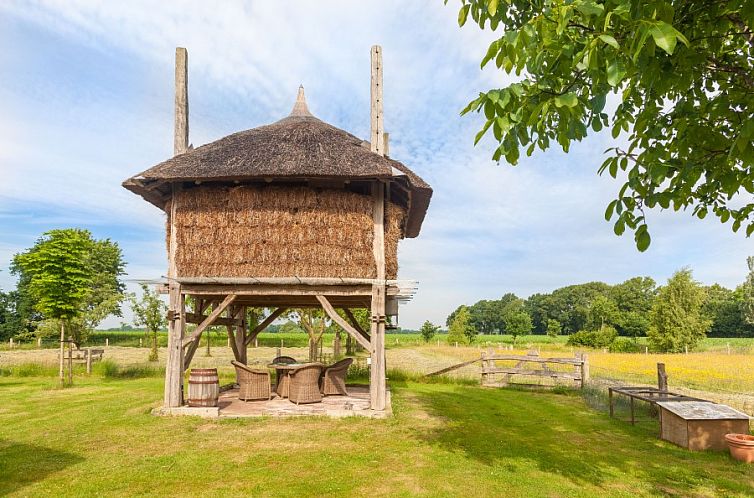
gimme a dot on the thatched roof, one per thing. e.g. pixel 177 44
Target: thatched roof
pixel 299 146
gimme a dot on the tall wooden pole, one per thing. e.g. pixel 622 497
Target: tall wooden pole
pixel 377 384
pixel 181 138
pixel 177 316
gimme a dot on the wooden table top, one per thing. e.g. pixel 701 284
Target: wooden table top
pixel 289 366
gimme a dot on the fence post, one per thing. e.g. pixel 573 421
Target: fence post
pixel 107 341
pixel 11 343
pixel 483 379
pixel 584 369
pixel 39 343
pixel 88 360
pixel 256 344
pixel 662 377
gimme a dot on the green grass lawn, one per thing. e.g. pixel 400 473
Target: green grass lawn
pixel 444 440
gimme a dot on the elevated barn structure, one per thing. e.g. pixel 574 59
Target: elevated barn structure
pixel 297 213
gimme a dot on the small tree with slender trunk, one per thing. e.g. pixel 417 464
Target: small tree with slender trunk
pixel 150 312
pixel 60 276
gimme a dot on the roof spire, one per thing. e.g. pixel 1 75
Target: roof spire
pixel 300 108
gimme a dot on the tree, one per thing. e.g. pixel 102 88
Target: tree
pixel 602 311
pixel 518 323
pixel 747 300
pixel 553 328
pixel 101 260
pixel 428 330
pixel 676 318
pixel 635 294
pixel 460 328
pixel 686 97
pixel 60 276
pixel 314 322
pixel 150 312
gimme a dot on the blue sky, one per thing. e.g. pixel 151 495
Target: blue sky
pixel 86 101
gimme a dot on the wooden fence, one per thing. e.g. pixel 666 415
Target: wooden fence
pixel 532 365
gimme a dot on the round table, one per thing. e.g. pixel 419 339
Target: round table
pixel 283 380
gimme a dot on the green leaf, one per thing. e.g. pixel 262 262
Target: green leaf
pixel 615 72
pixel 642 238
pixel 482 131
pixel 610 41
pixel 463 14
pixel 568 100
pixel 610 209
pixel 492 7
pixel 666 36
pixel 590 8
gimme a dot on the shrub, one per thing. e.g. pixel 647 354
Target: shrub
pixel 625 345
pixel 602 338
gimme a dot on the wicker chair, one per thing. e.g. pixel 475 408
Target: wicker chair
pixel 253 383
pixel 287 360
pixel 304 384
pixel 334 378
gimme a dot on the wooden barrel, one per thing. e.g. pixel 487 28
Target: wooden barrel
pixel 204 387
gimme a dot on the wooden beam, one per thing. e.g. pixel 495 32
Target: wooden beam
pixel 356 324
pixel 341 322
pixel 209 320
pixel 267 321
pixel 277 290
pixel 198 318
pixel 377 127
pixel 181 133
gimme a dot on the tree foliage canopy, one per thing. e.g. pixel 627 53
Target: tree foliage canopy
pixel 677 321
pixel 681 72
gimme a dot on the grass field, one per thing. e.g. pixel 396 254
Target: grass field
pixel 444 440
pixel 131 339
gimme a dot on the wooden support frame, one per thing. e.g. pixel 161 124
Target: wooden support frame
pixel 342 323
pixel 356 325
pixel 267 321
pixel 209 320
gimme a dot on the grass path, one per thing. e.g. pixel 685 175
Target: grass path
pixel 445 440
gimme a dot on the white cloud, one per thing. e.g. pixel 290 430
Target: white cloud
pixel 102 111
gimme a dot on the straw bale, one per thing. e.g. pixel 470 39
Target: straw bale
pixel 274 231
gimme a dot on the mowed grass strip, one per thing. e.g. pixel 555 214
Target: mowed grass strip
pixel 445 440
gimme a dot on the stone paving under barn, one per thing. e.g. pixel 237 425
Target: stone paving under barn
pixel 356 404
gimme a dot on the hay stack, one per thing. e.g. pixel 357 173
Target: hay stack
pixel 272 231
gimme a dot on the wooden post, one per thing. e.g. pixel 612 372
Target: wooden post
pixel 610 398
pixel 181 136
pixel 176 318
pixel 107 341
pixel 62 351
pixel 377 382
pixel 88 360
pixel 662 377
pixel 39 343
pixel 584 369
pixel 377 128
pixel 70 361
pixel 10 342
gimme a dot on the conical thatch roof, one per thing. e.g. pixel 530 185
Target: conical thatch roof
pixel 299 146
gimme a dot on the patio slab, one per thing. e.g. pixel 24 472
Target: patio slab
pixel 356 404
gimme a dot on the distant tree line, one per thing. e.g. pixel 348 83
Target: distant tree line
pixel 634 308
